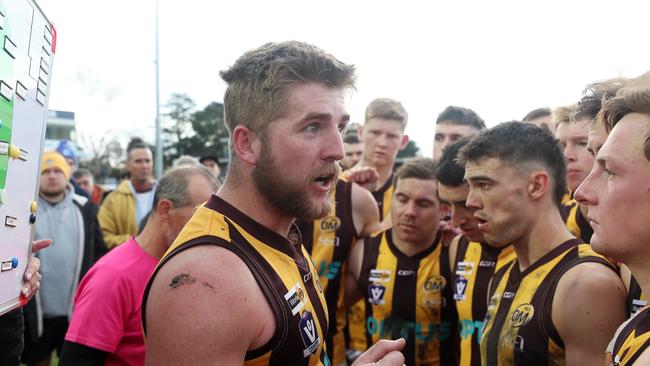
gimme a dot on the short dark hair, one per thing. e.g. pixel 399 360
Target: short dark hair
pixel 537 113
pixel 351 139
pixel 519 143
pixel 448 171
pixel 460 116
pixel 136 143
pixel 418 168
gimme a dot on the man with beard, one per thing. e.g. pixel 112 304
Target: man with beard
pixel 106 325
pixel 237 287
pixel 402 272
pixel 473 260
pixel 71 222
pixel 123 209
pixel 517 177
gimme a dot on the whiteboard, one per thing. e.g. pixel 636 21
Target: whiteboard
pixel 27 45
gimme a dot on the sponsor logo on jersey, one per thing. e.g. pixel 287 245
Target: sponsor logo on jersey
pixel 487 263
pixel 461 287
pixel 464 268
pixel 435 284
pixel 308 333
pixel 435 303
pixel 296 299
pixel 329 241
pixel 403 272
pixel 376 294
pixel 379 275
pixel 522 315
pixel 330 224
pixel 508 295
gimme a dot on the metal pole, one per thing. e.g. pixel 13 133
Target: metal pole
pixel 158 166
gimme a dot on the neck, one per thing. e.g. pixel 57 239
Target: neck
pixel 409 248
pixel 242 194
pixel 54 198
pixel 545 234
pixel 152 238
pixel 142 185
pixel 384 171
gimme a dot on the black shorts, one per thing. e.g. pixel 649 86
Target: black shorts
pixel 12 327
pixel 54 330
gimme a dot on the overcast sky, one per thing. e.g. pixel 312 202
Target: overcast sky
pixel 499 58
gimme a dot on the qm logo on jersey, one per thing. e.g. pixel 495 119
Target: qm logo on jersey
pixel 308 333
pixel 522 315
pixel 376 294
pixel 330 224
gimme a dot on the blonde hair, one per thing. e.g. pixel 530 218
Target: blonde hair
pixel 387 108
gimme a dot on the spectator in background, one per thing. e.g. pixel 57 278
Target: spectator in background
pixel 86 181
pixel 353 151
pixel 106 326
pixel 212 163
pixel 125 207
pixel 452 124
pixel 71 222
pixel 541 117
pixel 71 158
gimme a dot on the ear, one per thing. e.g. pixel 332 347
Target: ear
pixel 405 141
pixel 164 208
pixel 538 184
pixel 246 144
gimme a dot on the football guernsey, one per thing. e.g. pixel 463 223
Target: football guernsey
pixel 356 319
pixel 519 329
pixel 632 340
pixel 636 299
pixel 575 221
pixel 283 271
pixel 475 264
pixel 329 240
pixel 409 297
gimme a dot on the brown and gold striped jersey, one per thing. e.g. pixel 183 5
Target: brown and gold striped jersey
pixel 632 340
pixel 519 329
pixel 409 297
pixel 329 241
pixel 475 264
pixel 283 271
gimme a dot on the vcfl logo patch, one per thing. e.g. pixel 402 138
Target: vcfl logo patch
pixel 308 333
pixel 461 287
pixel 376 294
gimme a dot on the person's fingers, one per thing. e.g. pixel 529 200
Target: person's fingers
pixel 32 267
pixel 379 350
pixel 40 244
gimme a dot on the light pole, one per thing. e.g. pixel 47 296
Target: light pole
pixel 158 163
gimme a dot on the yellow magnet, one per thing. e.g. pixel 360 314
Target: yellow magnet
pixel 33 206
pixel 14 152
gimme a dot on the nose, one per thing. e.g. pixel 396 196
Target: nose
pixel 472 201
pixel 586 192
pixel 410 209
pixel 333 146
pixel 457 218
pixel 569 153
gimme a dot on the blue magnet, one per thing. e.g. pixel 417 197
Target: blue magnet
pixel 14 262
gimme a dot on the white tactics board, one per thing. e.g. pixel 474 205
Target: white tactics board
pixel 27 42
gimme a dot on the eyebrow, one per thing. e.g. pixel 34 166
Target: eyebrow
pixel 478 177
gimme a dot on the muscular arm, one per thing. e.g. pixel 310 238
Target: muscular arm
pixel 205 308
pixel 588 306
pixel 352 290
pixel 365 214
pixel 644 359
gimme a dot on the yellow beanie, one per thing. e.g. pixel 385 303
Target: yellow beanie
pixel 53 159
